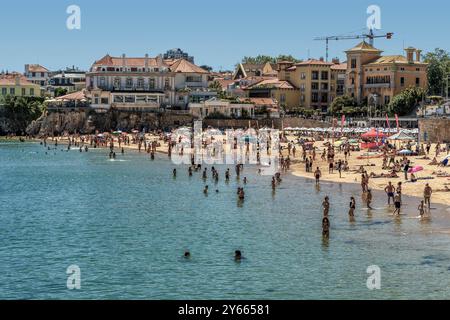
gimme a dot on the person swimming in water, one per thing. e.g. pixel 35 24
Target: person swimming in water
pixel 187 254
pixel 245 180
pixel 238 255
pixel 174 173
pixel 205 191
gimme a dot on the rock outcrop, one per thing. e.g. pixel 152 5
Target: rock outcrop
pixel 80 121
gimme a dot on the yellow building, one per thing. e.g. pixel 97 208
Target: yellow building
pixel 379 78
pixel 15 84
pixel 318 82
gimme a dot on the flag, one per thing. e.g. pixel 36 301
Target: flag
pixel 396 120
pixel 387 121
pixel 342 123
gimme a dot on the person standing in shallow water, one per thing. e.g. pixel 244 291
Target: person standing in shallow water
pixel 317 175
pixel 351 211
pixel 397 203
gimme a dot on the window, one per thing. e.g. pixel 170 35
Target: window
pixel 314 86
pixel 151 83
pixel 387 99
pixel 129 82
pixel 33 74
pixel 417 81
pixel 353 63
pixel 140 83
pixel 24 92
pixel 402 81
pixel 31 91
pixel 12 91
pixel 315 97
pixel 417 69
pixel 42 74
pixel 324 75
pixel 104 101
pixel 315 75
pixel 4 91
pixel 324 86
pixel 283 98
pixel 129 99
pixel 302 87
pixel 302 99
pixel 303 76
pixel 102 82
pixel 118 99
pixel 324 98
pixel 167 83
pixel 117 83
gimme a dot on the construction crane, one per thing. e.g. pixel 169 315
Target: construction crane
pixel 371 36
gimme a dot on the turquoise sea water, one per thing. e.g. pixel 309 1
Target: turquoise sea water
pixel 126 224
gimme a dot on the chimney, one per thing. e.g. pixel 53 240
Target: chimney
pixel 418 53
pixel 124 61
pixel 321 59
pixel 410 54
pixel 146 61
pixel 17 79
pixel 335 60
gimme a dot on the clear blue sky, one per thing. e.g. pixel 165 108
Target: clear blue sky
pixel 217 33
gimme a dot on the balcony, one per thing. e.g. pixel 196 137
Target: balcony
pixel 377 85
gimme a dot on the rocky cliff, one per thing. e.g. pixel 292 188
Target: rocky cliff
pixel 88 122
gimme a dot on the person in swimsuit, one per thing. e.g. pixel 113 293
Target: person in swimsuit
pixel 421 208
pixel 317 174
pixel 390 192
pixel 369 198
pixel 397 203
pixel 427 195
pixel 351 211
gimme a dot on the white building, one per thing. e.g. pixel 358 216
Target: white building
pixel 37 74
pixel 223 107
pixel 143 83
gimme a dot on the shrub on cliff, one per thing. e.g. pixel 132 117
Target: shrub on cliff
pixel 19 112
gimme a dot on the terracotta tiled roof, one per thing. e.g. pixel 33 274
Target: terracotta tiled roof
pixel 225 83
pixel 37 68
pixel 263 102
pixel 182 65
pixel 364 46
pixel 130 62
pixel 10 79
pixel 273 83
pixel 393 59
pixel 178 65
pixel 314 62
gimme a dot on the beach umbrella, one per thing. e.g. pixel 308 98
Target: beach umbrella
pixel 415 169
pixel 405 152
pixel 135 131
pixel 117 132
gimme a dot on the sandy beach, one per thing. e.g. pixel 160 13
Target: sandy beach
pixel 375 165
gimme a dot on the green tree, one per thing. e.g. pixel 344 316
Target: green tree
pixel 60 92
pixel 206 67
pixel 342 104
pixel 438 70
pixel 405 102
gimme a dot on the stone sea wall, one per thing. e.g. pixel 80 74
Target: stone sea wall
pixel 434 130
pixel 88 121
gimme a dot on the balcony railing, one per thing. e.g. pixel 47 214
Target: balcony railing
pixel 377 85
